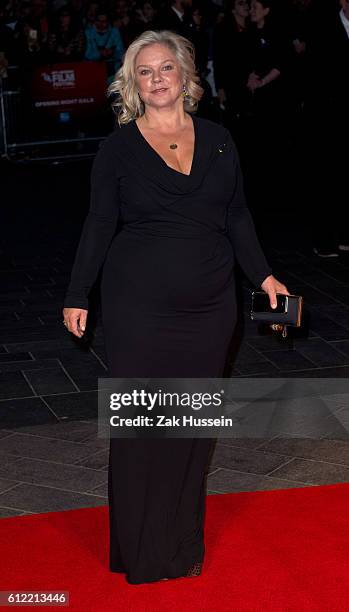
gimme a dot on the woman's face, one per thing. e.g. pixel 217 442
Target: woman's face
pixel 101 23
pixel 92 13
pixel 64 20
pixel 121 8
pixel 158 76
pixel 148 11
pixel 258 12
pixel 197 17
pixel 241 8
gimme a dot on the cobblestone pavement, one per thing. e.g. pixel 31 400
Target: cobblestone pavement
pixel 50 455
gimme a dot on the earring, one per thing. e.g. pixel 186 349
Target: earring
pixel 184 91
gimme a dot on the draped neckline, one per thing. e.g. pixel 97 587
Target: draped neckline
pixel 161 159
pixel 146 161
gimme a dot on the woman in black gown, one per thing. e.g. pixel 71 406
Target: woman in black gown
pixel 167 290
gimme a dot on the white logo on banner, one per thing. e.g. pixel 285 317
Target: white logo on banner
pixel 60 78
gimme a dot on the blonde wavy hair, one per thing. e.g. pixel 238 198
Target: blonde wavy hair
pixel 126 102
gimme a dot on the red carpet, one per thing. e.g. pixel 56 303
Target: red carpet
pixel 266 551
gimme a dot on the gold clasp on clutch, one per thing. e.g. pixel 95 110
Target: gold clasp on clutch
pixel 280 327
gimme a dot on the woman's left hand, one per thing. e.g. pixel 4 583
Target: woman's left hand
pixel 272 286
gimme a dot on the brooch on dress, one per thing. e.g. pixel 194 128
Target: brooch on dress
pixel 222 147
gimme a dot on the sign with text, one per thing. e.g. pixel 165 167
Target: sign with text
pixel 78 88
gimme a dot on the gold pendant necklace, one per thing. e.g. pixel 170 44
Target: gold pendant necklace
pixel 173 145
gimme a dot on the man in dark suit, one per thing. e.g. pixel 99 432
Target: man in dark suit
pixel 177 17
pixel 327 104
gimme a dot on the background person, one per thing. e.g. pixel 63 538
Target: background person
pixel 231 62
pixel 104 43
pixel 326 105
pixel 66 40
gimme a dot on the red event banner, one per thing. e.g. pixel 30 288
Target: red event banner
pixel 75 87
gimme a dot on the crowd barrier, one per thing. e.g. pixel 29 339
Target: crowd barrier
pixel 54 112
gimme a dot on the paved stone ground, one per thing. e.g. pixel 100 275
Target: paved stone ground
pixel 50 456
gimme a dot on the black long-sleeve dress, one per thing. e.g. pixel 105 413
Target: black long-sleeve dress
pixel 168 310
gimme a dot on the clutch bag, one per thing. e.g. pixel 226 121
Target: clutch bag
pixel 288 311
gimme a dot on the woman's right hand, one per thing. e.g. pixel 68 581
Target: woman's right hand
pixel 75 320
